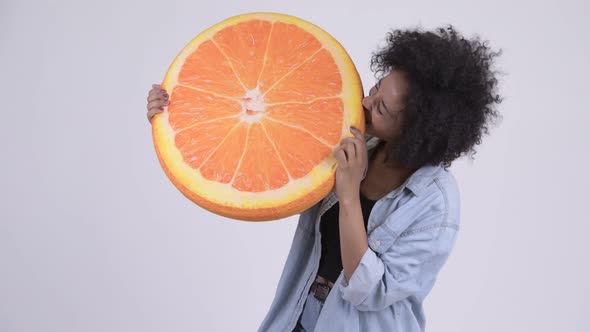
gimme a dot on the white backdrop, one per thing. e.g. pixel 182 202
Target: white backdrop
pixel 94 237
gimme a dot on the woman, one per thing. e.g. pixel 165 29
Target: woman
pixel 365 257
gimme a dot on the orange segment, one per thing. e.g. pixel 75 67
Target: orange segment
pixel 208 69
pixel 322 118
pixel 297 148
pixel 189 106
pixel 258 102
pixel 289 46
pixel 199 141
pixel 316 77
pixel 222 164
pixel 260 168
pixel 244 44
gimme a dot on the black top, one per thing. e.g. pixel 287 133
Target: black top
pixel 331 261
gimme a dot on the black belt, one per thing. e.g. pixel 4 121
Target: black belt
pixel 320 290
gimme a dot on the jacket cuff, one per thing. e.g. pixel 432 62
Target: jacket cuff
pixel 364 278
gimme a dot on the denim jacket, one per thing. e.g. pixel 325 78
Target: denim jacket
pixel 410 231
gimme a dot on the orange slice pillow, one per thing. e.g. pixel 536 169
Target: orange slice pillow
pixel 258 102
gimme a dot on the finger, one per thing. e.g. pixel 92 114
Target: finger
pixel 340 156
pixel 350 149
pixel 335 151
pixel 348 144
pixel 351 140
pixel 360 149
pixel 161 103
pixel 157 104
pixel 157 87
pixel 357 133
pixel 157 96
pixel 358 139
pixel 157 93
pixel 358 143
pixel 153 112
pixel 339 153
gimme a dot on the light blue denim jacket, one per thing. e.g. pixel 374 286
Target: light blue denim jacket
pixel 411 232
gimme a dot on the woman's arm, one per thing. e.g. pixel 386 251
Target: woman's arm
pixel 353 235
pixel 407 268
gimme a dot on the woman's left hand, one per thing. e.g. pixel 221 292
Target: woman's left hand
pixel 352 161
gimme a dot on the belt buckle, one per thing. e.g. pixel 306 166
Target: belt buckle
pixel 321 291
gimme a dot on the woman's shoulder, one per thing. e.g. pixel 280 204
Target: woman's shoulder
pixel 430 198
pixel 444 185
pixel 433 184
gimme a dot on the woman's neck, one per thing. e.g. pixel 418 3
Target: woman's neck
pixel 384 149
pixel 384 175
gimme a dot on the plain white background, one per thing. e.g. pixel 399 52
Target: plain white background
pixel 94 237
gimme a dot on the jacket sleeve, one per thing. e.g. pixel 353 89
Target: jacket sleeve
pixel 408 267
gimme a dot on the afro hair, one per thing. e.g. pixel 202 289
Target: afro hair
pixel 452 95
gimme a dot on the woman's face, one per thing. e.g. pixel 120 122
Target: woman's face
pixel 383 106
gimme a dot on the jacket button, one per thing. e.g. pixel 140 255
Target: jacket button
pixel 378 243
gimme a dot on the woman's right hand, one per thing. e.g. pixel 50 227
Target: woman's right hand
pixel 157 100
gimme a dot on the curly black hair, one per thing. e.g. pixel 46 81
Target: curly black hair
pixel 452 95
